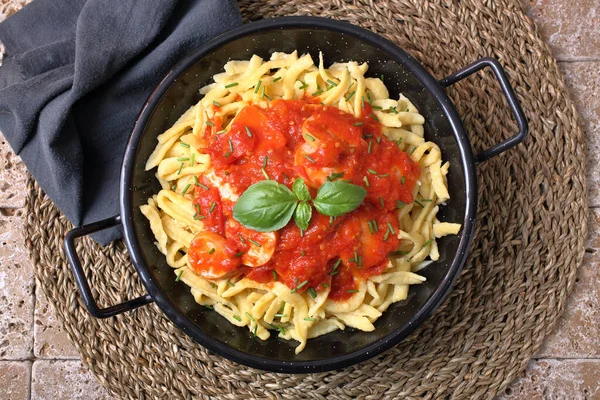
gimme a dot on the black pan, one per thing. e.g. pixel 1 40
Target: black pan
pixel 339 42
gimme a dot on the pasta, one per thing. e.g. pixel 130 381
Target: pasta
pixel 191 215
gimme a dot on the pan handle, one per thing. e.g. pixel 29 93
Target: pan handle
pixel 81 280
pixel 509 93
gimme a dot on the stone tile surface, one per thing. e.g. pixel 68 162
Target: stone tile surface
pixel 583 82
pixel 13 181
pixel 15 377
pixel 571 28
pixel 51 341
pixel 16 289
pixel 60 379
pixel 549 379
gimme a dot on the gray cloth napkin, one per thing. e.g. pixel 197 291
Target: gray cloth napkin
pixel 74 78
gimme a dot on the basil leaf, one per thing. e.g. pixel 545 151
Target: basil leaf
pixel 300 190
pixel 302 215
pixel 338 197
pixel 265 206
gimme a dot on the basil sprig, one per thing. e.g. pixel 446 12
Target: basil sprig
pixel 268 206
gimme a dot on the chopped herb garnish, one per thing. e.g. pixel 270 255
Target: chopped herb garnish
pixel 370 145
pixel 350 95
pixel 203 186
pixel 210 123
pixel 325 284
pixel 366 181
pixel 183 159
pixel 264 172
pixel 413 150
pixel 375 225
pixel 310 319
pixel 187 146
pixel 180 168
pixel 374 117
pixel 209 307
pixel 179 276
pixel 212 207
pixel 331 82
pixel 193 160
pixel 212 250
pixel 265 161
pixel 359 261
pixel 400 204
pixel 254 242
pixel 213 285
pixel 359 123
pixel 277 79
pixel 367 136
pixel 304 85
pixel 369 97
pixel 392 109
pixel 280 315
pixel 381 202
pixel 318 92
pixel 185 189
pixel 362 101
pixel 274 275
pixel 387 234
pixel 376 108
pixel 419 203
pixel 331 219
pixel 230 284
pixel 335 266
pixel 257 86
pixel 250 316
pixel 303 252
pixel 383 175
pixel 391 228
pixel 248 132
pixel 230 145
pixel 254 331
pixel 371 229
pixel 312 293
pixel 309 158
pixel 309 137
pixel 221 132
pixel 402 180
pixel 216 103
pixel 351 291
pixel 372 171
pixel 238 254
pixel 379 140
pixel 237 318
pixel 426 200
pixel 399 253
pixel 300 286
pixel 232 84
pixel 382 77
pixel 335 176
pixel 427 243
pixel 329 88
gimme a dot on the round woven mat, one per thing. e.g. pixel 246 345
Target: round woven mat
pixel 529 241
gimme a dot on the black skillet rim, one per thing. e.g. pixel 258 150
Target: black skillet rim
pixel 375 348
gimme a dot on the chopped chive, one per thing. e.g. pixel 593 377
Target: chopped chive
pixel 372 171
pixel 351 291
pixel 216 103
pixel 335 266
pixel 265 160
pixel 350 95
pixel 402 180
pixel 187 146
pixel 212 250
pixel 248 132
pixel 383 175
pixel 242 238
pixel 310 319
pixel 367 136
pixel 254 242
pixel 359 123
pixel 379 140
pixel 193 160
pixel 366 181
pixel 369 97
pixel 335 175
pixel 254 331
pixel 200 184
pixel 179 276
pixel 277 79
pixel 264 172
pixel 331 82
pixel 374 117
pixel 222 131
pixel 318 92
pixel 232 84
pixel 257 86
pixel 304 85
pixel 370 145
pixel 230 284
pixel 376 108
pixel 180 168
pixel 329 88
pixel 400 204
pixel 413 150
pixel 309 158
pixel 325 284
pixel 312 293
pixel 212 207
pixel 238 254
pixel 426 200
pixel 198 216
pixel 399 253
pixel 209 307
pixel 280 315
pixel 381 202
pixel 375 225
pixel 362 101
pixel 250 316
pixel 419 203
pixel 274 275
pixel 392 109
pixel 300 286
pixel 382 77
pixel 371 229
pixel 310 137
pixel 185 189
pixel 387 234
pixel 407 109
pixel 183 159
pixel 303 252
pixel 230 146
pixel 331 219
pixel 359 261
pixel 210 123
pixel 213 285
pixel 237 318
pixel 427 243
pixel 391 228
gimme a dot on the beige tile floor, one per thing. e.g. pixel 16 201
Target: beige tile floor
pixel 38 362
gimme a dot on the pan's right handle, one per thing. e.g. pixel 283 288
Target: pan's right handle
pixel 82 283
pixel 509 93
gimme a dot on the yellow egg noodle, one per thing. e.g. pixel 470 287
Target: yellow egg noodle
pixel 255 305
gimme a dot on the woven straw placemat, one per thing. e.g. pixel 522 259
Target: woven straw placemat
pixel 531 225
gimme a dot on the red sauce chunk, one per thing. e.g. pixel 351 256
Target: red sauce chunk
pixel 299 139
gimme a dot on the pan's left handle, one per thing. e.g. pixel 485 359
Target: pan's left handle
pixel 81 280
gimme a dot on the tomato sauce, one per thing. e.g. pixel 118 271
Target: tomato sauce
pixel 300 139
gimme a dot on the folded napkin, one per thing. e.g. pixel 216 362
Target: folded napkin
pixel 74 77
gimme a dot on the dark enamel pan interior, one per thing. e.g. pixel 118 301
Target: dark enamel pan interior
pixel 339 42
